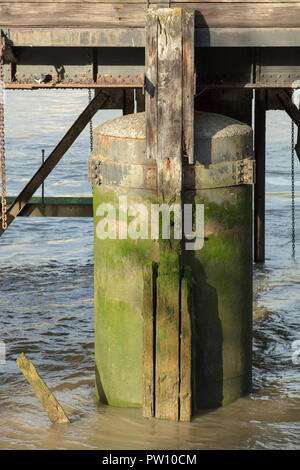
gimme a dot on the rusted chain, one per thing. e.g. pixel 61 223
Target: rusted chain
pixel 293 190
pixel 2 140
pixel 91 122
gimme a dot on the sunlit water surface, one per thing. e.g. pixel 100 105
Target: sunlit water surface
pixel 46 283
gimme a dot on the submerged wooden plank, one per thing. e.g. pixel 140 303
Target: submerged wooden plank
pixel 43 394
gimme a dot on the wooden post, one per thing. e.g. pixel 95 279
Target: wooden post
pixel 169 85
pixel 259 188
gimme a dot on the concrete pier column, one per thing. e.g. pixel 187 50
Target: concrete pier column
pixel 173 309
pixel 208 289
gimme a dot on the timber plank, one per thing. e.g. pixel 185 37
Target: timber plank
pixel 188 87
pixel 168 129
pixel 151 5
pixel 43 394
pixel 167 340
pixel 244 15
pixel 148 340
pixel 133 15
pixel 151 85
pixel 234 1
pixel 73 1
pixel 74 14
pixel 186 352
pixel 169 106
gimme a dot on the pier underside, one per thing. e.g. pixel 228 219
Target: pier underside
pixel 202 56
pixel 98 44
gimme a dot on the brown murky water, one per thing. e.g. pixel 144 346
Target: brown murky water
pixel 46 302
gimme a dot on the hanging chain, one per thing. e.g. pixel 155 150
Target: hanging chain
pixel 2 140
pixel 293 187
pixel 91 123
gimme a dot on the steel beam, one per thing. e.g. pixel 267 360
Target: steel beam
pixel 56 207
pixel 54 157
pixel 135 37
pixel 259 188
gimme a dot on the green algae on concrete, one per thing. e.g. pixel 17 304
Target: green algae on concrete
pixel 222 272
pixel 118 281
pixel 219 275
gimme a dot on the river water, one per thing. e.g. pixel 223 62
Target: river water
pixel 46 305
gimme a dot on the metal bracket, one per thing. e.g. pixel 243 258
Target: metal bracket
pixel 245 171
pixel 195 177
pixel 94 173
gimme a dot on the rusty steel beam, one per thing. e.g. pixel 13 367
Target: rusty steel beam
pixel 259 188
pixel 37 86
pixel 251 86
pixel 293 112
pixel 54 157
pixel 56 206
pixel 289 106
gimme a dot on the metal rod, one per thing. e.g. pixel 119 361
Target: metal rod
pixel 259 188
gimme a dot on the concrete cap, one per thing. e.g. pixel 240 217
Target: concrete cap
pixel 207 125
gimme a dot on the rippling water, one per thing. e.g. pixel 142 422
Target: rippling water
pixel 46 284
